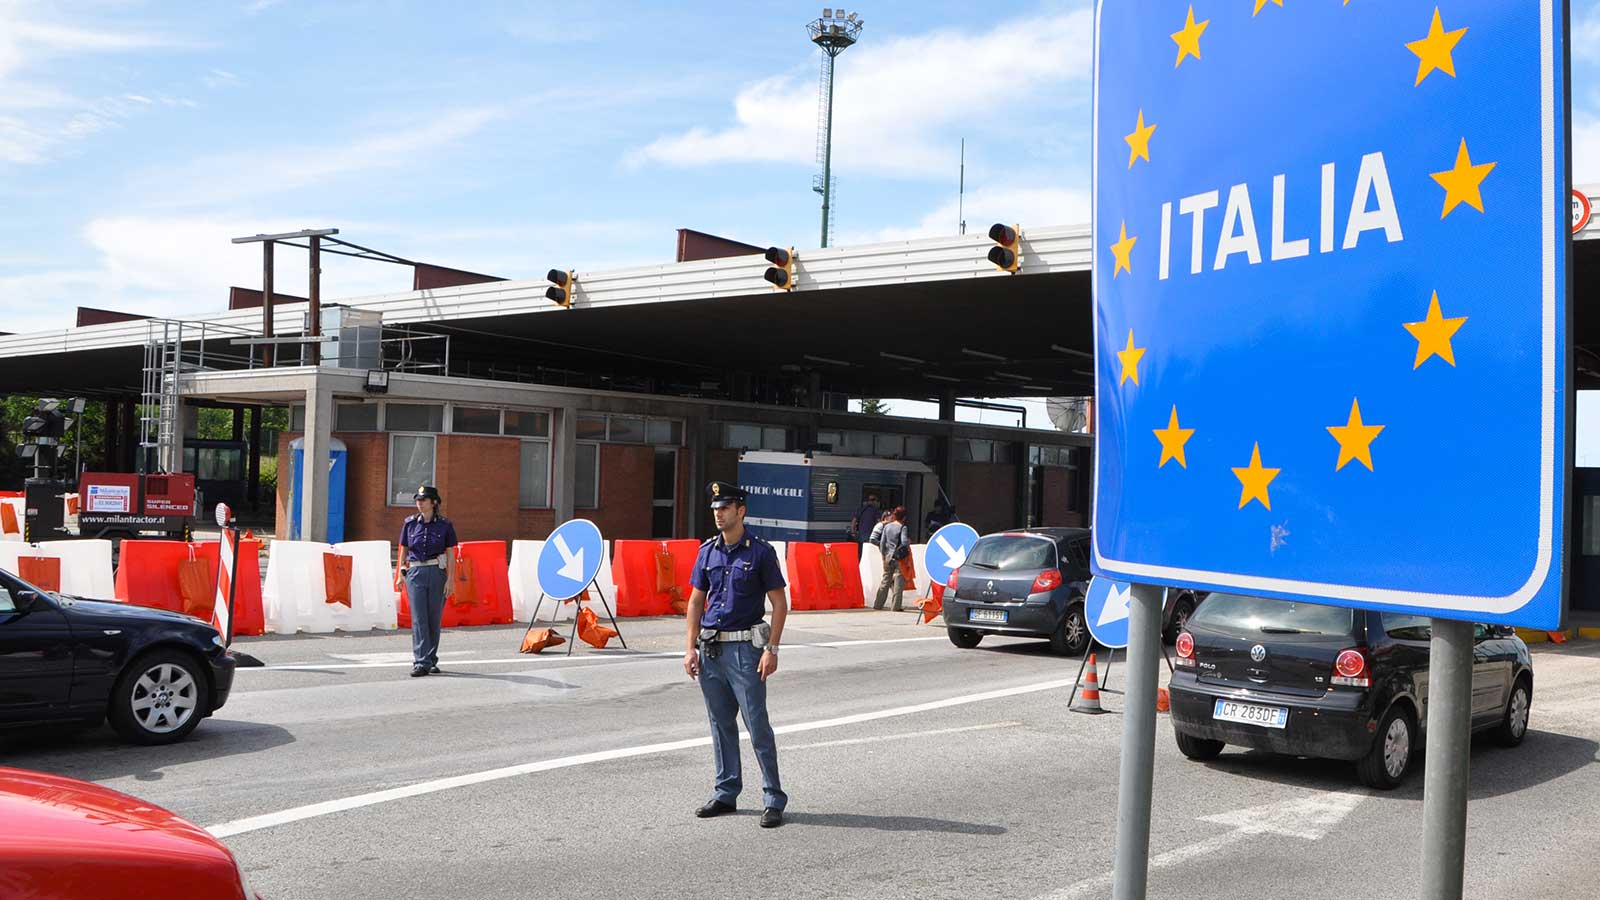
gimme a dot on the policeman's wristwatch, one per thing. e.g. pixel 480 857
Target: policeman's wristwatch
pixel 772 648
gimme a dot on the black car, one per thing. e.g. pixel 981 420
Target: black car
pixel 153 674
pixel 1029 583
pixel 1324 681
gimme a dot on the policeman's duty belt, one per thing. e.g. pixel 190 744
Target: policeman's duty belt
pixel 734 635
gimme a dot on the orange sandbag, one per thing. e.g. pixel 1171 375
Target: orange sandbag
pixel 591 632
pixel 582 598
pixel 538 639
pixel 196 588
pixel 43 572
pixel 809 586
pixel 336 572
pixel 908 572
pixel 638 569
pixel 933 605
pixel 8 520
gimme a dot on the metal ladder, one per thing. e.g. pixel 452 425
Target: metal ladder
pixel 159 403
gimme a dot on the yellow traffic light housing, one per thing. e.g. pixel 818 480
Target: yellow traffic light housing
pixel 562 286
pixel 781 273
pixel 1007 252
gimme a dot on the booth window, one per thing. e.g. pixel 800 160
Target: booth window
pixel 527 424
pixel 665 432
pixel 297 417
pixel 591 427
pixel 474 420
pixel 355 417
pixel 535 472
pixel 918 447
pixel 586 494
pixel 742 437
pixel 626 430
pixel 888 446
pixel 427 418
pixel 410 466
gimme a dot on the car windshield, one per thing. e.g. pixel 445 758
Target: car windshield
pixel 1230 612
pixel 1012 551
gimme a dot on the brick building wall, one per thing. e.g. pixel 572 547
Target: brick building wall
pixel 1057 496
pixel 627 482
pixel 986 496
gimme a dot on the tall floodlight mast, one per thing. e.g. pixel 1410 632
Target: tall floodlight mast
pixel 835 32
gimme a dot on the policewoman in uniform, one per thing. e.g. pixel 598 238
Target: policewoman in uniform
pixel 733 651
pixel 429 569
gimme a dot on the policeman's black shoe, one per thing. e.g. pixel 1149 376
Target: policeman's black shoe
pixel 433 670
pixel 418 671
pixel 714 808
pixel 771 817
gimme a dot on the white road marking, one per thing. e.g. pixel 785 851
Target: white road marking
pixel 358 801
pixel 897 737
pixel 1308 818
pixel 403 660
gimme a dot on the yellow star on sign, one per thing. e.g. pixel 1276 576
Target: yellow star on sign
pixel 1355 438
pixel 1172 439
pixel 1433 334
pixel 1123 250
pixel 1433 51
pixel 1262 3
pixel 1188 39
pixel 1139 142
pixel 1255 480
pixel 1130 361
pixel 1462 183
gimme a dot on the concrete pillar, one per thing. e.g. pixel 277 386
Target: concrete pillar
pixel 1024 449
pixel 318 440
pixel 564 468
pixel 947 406
pixel 696 430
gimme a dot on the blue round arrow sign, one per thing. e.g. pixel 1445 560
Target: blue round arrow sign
pixel 570 559
pixel 948 549
pixel 1106 609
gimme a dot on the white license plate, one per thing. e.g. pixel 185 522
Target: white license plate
pixel 986 615
pixel 1251 714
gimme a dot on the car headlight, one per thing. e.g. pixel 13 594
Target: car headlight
pixel 217 641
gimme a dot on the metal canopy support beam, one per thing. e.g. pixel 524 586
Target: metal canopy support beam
pixel 318 441
pixel 1445 779
pixel 1132 872
pixel 255 458
pixel 314 327
pixel 268 354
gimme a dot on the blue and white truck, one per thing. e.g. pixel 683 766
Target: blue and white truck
pixel 812 496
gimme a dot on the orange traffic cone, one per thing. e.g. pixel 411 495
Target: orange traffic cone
pixel 1163 701
pixel 1088 699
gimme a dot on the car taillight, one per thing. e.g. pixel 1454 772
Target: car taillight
pixel 1048 580
pixel 951 581
pixel 1185 647
pixel 1351 669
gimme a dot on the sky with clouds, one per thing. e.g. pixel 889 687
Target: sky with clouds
pixel 136 138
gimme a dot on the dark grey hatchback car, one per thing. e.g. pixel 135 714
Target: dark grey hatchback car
pixel 1028 583
pixel 1324 681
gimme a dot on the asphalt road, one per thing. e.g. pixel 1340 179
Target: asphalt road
pixel 914 769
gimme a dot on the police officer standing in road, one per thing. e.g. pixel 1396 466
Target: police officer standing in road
pixel 429 569
pixel 732 651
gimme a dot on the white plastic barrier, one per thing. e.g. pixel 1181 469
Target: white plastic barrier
pixel 782 549
pixel 607 584
pixel 18 507
pixel 85 565
pixel 871 572
pixel 919 557
pixel 294 596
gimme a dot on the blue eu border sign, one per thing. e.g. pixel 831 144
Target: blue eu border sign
pixel 1332 302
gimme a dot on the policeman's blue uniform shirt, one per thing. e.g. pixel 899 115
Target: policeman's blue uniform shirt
pixel 425 540
pixel 736 581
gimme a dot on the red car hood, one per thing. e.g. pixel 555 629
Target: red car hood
pixel 61 813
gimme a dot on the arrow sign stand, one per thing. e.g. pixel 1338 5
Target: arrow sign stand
pixel 573 639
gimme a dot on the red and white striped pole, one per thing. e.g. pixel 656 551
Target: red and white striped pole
pixel 227 549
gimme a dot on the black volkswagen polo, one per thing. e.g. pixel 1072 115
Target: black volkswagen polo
pixel 153 674
pixel 1311 680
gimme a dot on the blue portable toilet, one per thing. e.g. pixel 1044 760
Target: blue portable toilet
pixel 339 456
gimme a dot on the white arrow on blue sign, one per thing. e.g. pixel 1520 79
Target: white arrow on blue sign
pixel 1106 609
pixel 948 549
pixel 570 559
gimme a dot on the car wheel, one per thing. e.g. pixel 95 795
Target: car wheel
pixel 1514 726
pixel 1198 749
pixel 160 697
pixel 1071 637
pixel 1182 609
pixel 1385 765
pixel 965 638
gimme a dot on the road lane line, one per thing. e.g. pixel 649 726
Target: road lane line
pixel 358 801
pixel 901 736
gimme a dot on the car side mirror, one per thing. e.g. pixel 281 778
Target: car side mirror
pixel 24 600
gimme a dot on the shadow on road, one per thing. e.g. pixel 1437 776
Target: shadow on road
pixel 509 679
pixel 1495 771
pixel 891 823
pixel 98 753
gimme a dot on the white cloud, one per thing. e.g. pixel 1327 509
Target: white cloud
pixel 1033 206
pixel 1585 149
pixel 896 100
pixel 1586 36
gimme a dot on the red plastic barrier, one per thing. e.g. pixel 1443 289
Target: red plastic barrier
pixel 10 495
pixel 147 575
pixel 633 568
pixel 809 586
pixel 492 585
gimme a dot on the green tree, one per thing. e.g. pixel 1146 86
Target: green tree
pixel 874 407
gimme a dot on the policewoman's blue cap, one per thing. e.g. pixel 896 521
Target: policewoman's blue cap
pixel 723 493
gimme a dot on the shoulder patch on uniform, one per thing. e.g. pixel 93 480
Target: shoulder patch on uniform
pixel 708 541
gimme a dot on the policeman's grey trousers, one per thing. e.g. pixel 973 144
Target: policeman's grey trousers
pixel 425 590
pixel 892 579
pixel 731 685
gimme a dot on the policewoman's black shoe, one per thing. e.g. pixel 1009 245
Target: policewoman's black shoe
pixel 418 671
pixel 771 818
pixel 714 808
pixel 433 670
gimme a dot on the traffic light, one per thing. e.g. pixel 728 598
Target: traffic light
pixel 781 272
pixel 47 425
pixel 1007 252
pixel 562 286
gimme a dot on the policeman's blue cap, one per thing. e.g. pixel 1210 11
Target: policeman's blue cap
pixel 724 493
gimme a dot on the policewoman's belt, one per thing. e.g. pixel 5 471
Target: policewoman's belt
pixel 442 561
